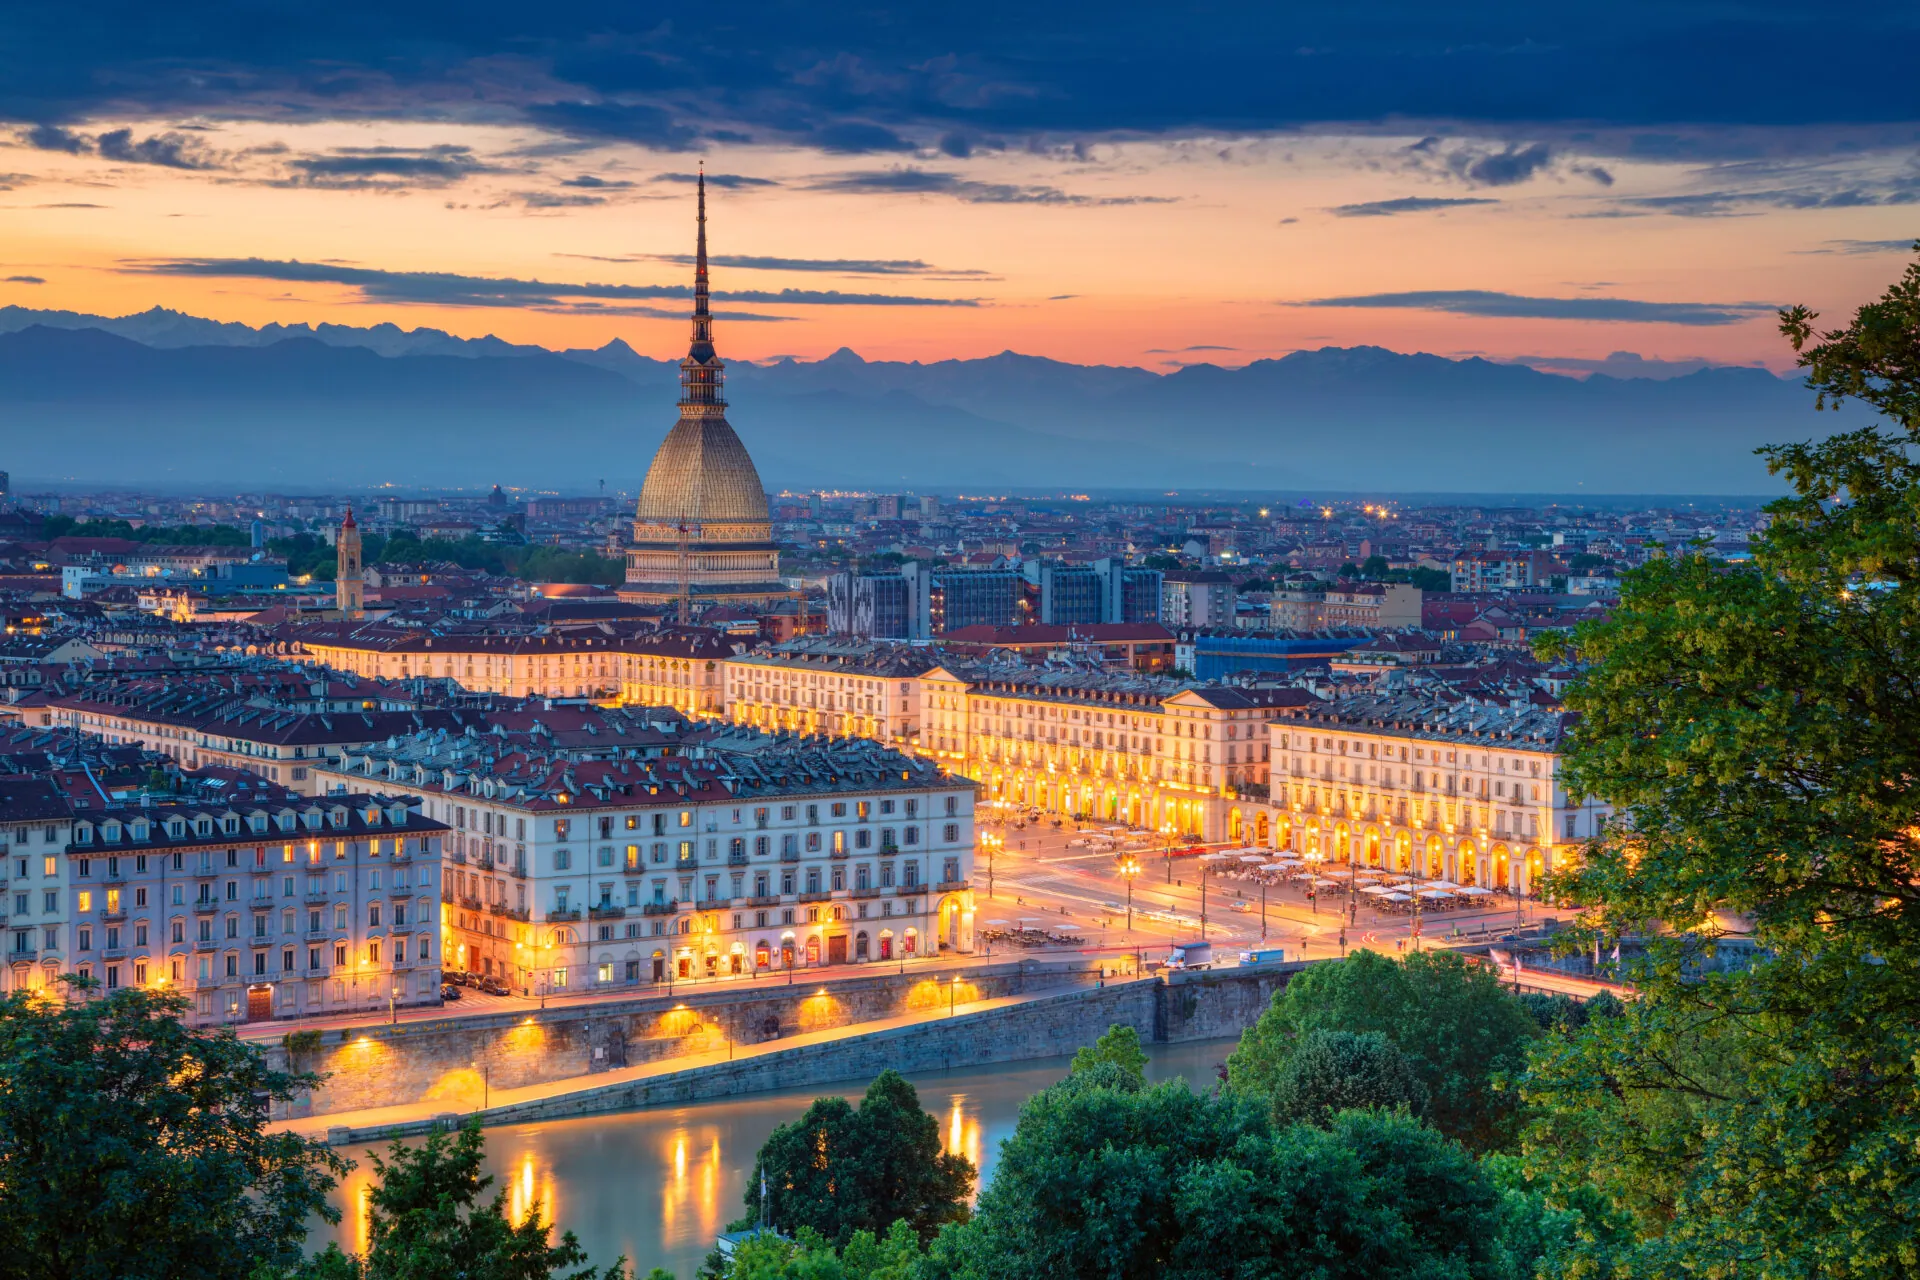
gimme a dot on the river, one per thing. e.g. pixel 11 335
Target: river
pixel 658 1184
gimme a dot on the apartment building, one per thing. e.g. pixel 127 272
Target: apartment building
pixel 273 907
pixel 1148 751
pixel 1460 791
pixel 836 686
pixel 569 875
pixel 36 824
pixel 1365 605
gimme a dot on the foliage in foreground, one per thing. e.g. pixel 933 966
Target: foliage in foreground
pixel 1107 1178
pixel 132 1146
pixel 1758 729
pixel 1456 1028
pixel 841 1170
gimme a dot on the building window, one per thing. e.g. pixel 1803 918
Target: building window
pixel 373 953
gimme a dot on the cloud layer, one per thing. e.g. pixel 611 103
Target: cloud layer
pixel 447 289
pixel 1490 304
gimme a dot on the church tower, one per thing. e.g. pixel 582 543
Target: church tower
pixel 703 531
pixel 349 583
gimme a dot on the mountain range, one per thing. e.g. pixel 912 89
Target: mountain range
pixel 164 398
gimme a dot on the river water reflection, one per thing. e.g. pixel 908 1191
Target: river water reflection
pixel 657 1185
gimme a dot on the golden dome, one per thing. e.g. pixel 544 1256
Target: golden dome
pixel 702 474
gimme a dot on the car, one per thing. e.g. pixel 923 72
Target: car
pixel 449 992
pixel 1241 904
pixel 494 987
pixel 454 978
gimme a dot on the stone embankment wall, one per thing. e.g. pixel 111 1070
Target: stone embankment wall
pixel 455 1061
pixel 442 1063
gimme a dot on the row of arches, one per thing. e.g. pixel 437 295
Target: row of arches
pixel 1135 806
pixel 1462 859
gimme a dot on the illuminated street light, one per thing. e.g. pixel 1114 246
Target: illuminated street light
pixel 1129 868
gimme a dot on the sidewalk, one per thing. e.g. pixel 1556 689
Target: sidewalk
pixel 375 1123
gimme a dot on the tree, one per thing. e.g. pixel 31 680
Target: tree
pixel 132 1145
pixel 1757 728
pixel 1458 1029
pixel 1106 1179
pixel 427 1220
pixel 1431 579
pixel 1375 566
pixel 1333 1071
pixel 1120 1046
pixel 840 1170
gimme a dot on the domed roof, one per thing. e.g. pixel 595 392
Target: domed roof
pixel 702 474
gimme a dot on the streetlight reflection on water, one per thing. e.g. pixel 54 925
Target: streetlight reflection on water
pixel 659 1184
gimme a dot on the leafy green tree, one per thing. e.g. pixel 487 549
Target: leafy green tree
pixel 1103 1179
pixel 1757 728
pixel 134 1146
pixel 1120 1046
pixel 1431 579
pixel 1333 1071
pixel 1458 1029
pixel 1375 566
pixel 840 1170
pixel 428 1219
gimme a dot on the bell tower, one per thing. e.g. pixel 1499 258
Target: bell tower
pixel 349 583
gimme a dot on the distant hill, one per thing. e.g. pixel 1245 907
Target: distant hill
pixel 162 396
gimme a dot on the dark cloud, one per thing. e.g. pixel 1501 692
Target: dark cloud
pixel 650 126
pixel 731 181
pixel 556 200
pixel 855 138
pixel 71 204
pixel 831 266
pixel 1405 204
pixel 1504 168
pixel 448 289
pixel 51 137
pixel 1854 247
pixel 1662 74
pixel 436 166
pixel 24 280
pixel 597 184
pixel 910 180
pixel 168 150
pixel 1486 303
pixel 1062 297
pixel 1724 204
pixel 1177 351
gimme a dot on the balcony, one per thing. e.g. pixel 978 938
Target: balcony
pixel 790 857
pixel 764 900
pixel 910 890
pixel 518 871
pixel 865 893
pixel 563 917
pixel 456 857
pixel 319 935
pixel 205 906
pixel 659 908
pixel 206 944
pixel 686 864
pixel 470 902
pixel 951 886
pixel 111 917
pixel 317 895
pixel 606 911
pixel 518 913
pixel 21 954
pixel 736 859
pixel 815 897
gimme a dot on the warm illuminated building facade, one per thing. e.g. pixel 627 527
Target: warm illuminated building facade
pixel 676 667
pixel 702 523
pixel 254 911
pixel 578 875
pixel 1159 754
pixel 836 687
pixel 1465 792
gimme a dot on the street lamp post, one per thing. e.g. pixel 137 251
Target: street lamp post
pixel 393 997
pixel 1203 900
pixel 1129 868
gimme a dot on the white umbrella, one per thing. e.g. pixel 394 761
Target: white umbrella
pixel 1253 857
pixel 1376 890
pixel 1435 893
pixel 1475 891
pixel 1398 897
pixel 1067 928
pixel 996 922
pixel 1442 884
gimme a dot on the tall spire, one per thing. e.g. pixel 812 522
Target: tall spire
pixel 701 372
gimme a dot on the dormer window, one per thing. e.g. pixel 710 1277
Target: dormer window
pixel 110 831
pixel 203 826
pixel 82 833
pixel 139 829
pixel 176 828
pixel 257 821
pixel 286 822
pixel 230 824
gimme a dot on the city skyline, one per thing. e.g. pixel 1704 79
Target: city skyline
pixel 1338 182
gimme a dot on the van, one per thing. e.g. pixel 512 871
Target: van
pixel 1264 955
pixel 1191 955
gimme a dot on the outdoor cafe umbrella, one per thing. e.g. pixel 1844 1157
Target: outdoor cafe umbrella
pixel 1435 893
pixel 1398 897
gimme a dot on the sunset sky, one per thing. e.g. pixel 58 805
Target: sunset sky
pixel 1099 183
